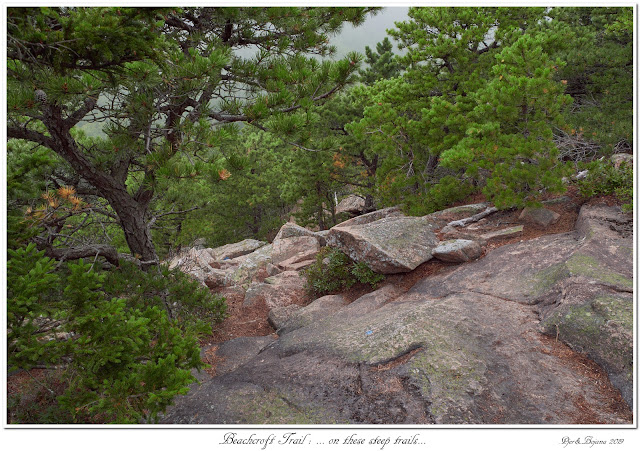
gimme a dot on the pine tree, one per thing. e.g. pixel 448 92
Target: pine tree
pixel 167 85
pixel 250 202
pixel 509 146
pixel 418 118
pixel 122 358
pixel 382 63
pixel 598 76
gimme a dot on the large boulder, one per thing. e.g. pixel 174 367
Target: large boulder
pixel 351 204
pixel 280 290
pixel 291 229
pixel 581 284
pixel 294 249
pixel 229 251
pixel 393 244
pixel 217 278
pixel 241 270
pixel 278 316
pixel 234 353
pixel 473 359
pixel 457 251
pixel 373 216
pixel 194 262
pixel 591 306
pixel 318 309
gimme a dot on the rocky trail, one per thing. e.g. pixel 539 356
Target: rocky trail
pixel 523 317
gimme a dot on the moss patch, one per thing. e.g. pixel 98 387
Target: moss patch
pixel 275 408
pixel 588 266
pixel 616 310
pixel 602 328
pixel 448 373
pixel 547 278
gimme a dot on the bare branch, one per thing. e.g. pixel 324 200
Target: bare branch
pixel 81 112
pixel 474 218
pixel 74 253
pixel 31 135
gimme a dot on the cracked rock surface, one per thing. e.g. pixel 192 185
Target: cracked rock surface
pixel 521 336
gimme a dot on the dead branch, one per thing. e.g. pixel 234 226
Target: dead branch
pixel 474 218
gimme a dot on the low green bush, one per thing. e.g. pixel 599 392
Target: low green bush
pixel 605 178
pixel 124 341
pixel 334 271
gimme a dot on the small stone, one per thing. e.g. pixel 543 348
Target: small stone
pixel 619 159
pixel 503 233
pixel 457 251
pixel 40 96
pixel 542 217
pixel 582 174
pixel 278 316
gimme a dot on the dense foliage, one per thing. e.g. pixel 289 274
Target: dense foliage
pixel 127 339
pixel 167 86
pixel 598 76
pixel 605 178
pixel 133 132
pixel 334 271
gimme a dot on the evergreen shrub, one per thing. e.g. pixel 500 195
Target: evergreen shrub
pixel 334 271
pixel 605 178
pixel 124 342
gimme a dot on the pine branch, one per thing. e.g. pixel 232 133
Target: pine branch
pixel 80 113
pixel 31 135
pixel 74 253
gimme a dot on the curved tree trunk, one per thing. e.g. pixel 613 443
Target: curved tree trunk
pixel 131 210
pixel 136 231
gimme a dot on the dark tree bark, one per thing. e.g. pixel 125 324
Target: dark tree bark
pixel 73 253
pixel 131 210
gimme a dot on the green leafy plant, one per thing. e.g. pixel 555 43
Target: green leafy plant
pixel 334 271
pixel 605 178
pixel 366 275
pixel 124 342
pixel 192 307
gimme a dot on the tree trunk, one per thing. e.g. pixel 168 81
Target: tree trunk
pixel 320 207
pixel 372 168
pixel 130 210
pixel 368 204
pixel 134 225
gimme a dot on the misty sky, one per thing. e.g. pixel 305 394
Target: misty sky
pixel 372 31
